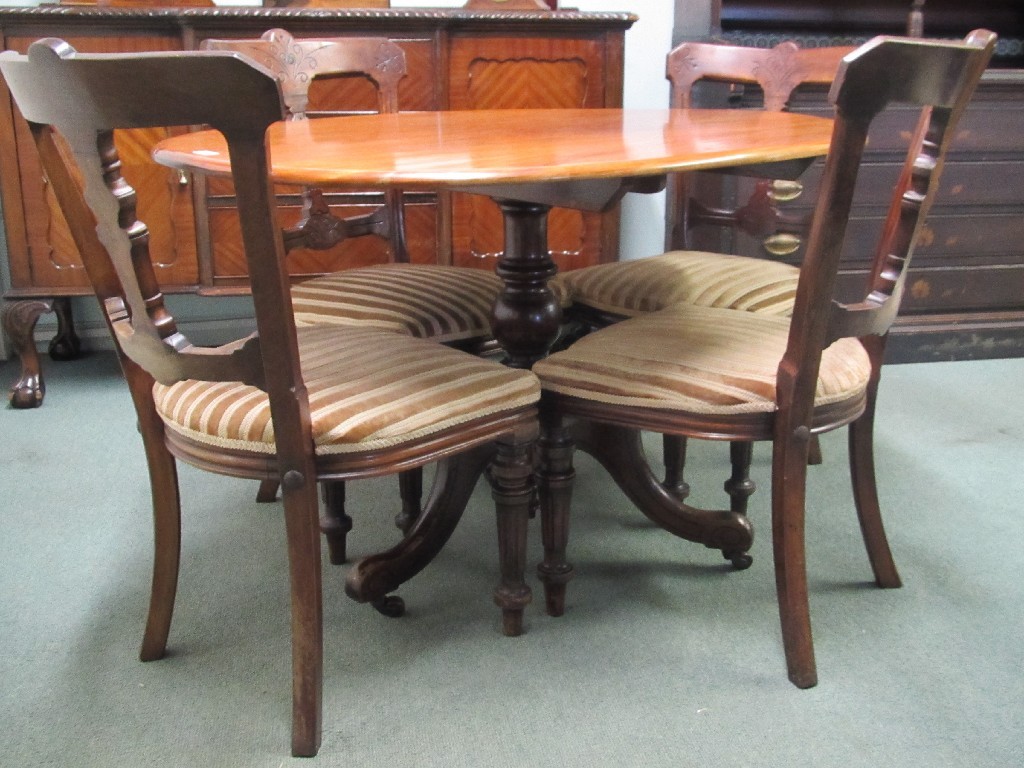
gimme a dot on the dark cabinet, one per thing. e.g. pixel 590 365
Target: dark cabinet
pixel 965 292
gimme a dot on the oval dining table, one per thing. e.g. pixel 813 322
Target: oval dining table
pixel 527 161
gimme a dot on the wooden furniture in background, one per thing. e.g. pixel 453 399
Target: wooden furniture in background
pixel 726 374
pixel 510 5
pixel 457 59
pixel 965 295
pixel 327 3
pixel 296 402
pixel 777 72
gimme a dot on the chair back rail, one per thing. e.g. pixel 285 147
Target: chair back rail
pixel 296 63
pixel 937 76
pixel 778 71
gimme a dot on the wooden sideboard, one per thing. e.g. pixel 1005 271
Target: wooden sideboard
pixel 457 59
pixel 965 292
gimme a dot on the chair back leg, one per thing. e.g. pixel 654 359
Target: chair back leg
pixel 163 481
pixel 862 475
pixel 303 533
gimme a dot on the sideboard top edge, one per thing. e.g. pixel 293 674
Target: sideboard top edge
pixel 440 15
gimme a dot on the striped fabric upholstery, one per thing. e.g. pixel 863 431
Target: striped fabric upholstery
pixel 368 389
pixel 441 303
pixel 631 288
pixel 698 360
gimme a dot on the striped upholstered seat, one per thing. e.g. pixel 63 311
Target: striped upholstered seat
pixel 440 303
pixel 630 288
pixel 360 398
pixel 698 360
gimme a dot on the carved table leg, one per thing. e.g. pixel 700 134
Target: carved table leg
pixel 372 577
pixel 620 452
pixel 526 317
pixel 19 319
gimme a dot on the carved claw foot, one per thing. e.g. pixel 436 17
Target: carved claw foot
pixel 19 320
pixel 27 392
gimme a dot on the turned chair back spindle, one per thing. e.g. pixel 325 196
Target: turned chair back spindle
pixel 54 93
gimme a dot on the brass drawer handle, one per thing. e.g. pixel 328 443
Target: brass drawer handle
pixel 781 244
pixel 783 191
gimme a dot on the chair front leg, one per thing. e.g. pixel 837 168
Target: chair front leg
pixel 512 489
pixel 674 454
pixel 335 523
pixel 789 480
pixel 555 476
pixel 410 488
pixel 739 486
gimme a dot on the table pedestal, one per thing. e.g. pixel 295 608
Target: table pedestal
pixel 526 317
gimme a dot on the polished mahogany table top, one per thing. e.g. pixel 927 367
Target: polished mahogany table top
pixel 527 161
pixel 485 150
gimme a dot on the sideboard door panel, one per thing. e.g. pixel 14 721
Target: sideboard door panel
pixel 496 72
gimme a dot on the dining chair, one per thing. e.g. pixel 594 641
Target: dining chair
pixel 443 303
pixel 606 293
pixel 295 404
pixel 722 373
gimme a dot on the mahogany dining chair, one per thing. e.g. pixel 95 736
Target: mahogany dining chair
pixel 295 404
pixel 725 373
pixel 443 303
pixel 606 293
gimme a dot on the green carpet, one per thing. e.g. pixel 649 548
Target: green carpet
pixel 665 656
